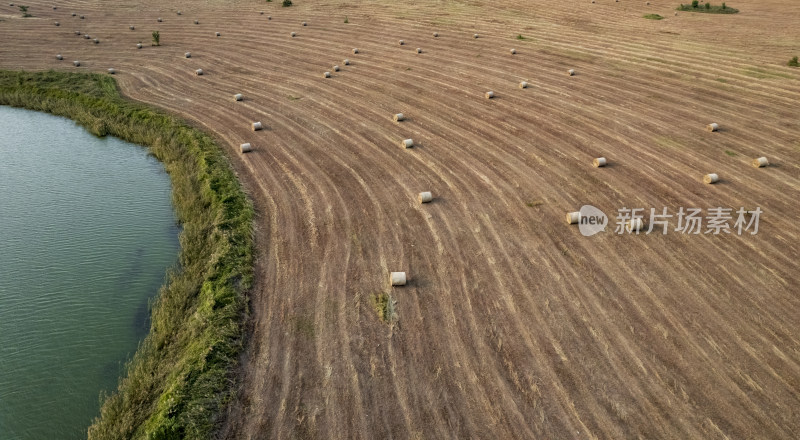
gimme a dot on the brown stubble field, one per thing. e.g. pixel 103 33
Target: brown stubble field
pixel 513 324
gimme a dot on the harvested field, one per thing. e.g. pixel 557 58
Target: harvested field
pixel 512 324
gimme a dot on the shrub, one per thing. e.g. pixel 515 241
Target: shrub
pixel 156 38
pixel 346 20
pixel 793 62
pixel 287 3
pixel 24 10
pixel 653 17
pixel 707 8
pixel 384 307
pixel 520 37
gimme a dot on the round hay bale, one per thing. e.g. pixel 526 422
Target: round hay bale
pixel 399 117
pixel 111 71
pixel 599 162
pixel 592 1
pixel 138 45
pixel 676 14
pixel 54 8
pixel 261 13
pixel 760 162
pixel 712 127
pixel 245 148
pixel 513 51
pixel 402 42
pixel 346 62
pixel 257 126
pixel 197 22
pixel 647 3
pixel 711 178
pixel 355 50
pixel 419 50
pixel 475 36
pixel 335 68
pixel 238 97
pixel 59 57
pixel 305 24
pixel 86 36
pixel 57 24
pixel 160 20
pixel 425 197
pixel 293 34
pixel 435 35
pixel 489 95
pixel 217 34
pixel 523 85
pixel 82 17
pixel 408 143
pixel 573 217
pixel 571 72
pixel 178 13
pixel 198 72
pixel 76 63
pixel 74 14
pixel 326 75
pixel 131 27
pixel 397 278
pixel 269 17
pixel 187 55
pixel 77 32
pixel 96 41
pixel 634 225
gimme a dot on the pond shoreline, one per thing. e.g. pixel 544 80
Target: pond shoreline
pixel 181 378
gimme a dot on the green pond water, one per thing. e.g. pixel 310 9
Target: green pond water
pixel 87 232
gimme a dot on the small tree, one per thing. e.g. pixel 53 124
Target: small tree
pixel 695 3
pixel 24 10
pixel 723 6
pixel 287 3
pixel 156 38
pixel 346 20
pixel 708 5
pixel 793 62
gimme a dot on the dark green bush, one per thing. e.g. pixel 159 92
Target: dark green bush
pixel 707 8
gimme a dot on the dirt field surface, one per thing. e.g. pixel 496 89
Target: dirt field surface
pixel 513 324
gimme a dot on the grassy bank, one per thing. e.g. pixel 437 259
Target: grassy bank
pixel 181 377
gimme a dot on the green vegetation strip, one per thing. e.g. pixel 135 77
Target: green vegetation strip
pixel 181 378
pixel 653 17
pixel 708 8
